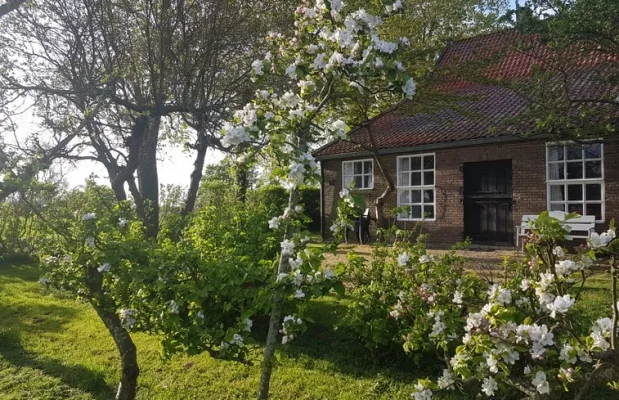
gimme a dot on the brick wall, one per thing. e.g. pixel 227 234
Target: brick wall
pixel 528 185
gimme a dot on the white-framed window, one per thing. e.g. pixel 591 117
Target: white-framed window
pixel 416 179
pixel 575 178
pixel 358 174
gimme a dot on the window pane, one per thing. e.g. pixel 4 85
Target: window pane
pixel 404 179
pixel 415 196
pixel 367 167
pixel 555 153
pixel 347 181
pixel 593 151
pixel 347 168
pixel 574 192
pixel 358 182
pixel 416 179
pixel 415 163
pixel 556 171
pixel 404 164
pixel 574 153
pixel 428 196
pixel 405 197
pixel 557 193
pixel 593 169
pixel 358 168
pixel 595 209
pixel 428 211
pixel 574 170
pixel 428 178
pixel 416 212
pixel 575 208
pixel 367 181
pixel 594 192
pixel 428 162
pixel 557 207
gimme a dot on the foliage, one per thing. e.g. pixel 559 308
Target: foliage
pixel 404 296
pixel 527 336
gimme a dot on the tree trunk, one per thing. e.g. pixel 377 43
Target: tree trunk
pixel 148 179
pixel 276 312
pixel 242 182
pixel 130 371
pixel 196 177
pixel 128 385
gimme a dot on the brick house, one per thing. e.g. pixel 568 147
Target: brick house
pixel 464 171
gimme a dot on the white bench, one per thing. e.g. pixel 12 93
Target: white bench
pixel 578 228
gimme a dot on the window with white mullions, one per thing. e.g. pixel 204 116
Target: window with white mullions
pixel 358 174
pixel 575 178
pixel 416 191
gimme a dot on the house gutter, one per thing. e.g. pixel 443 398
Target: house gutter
pixel 431 146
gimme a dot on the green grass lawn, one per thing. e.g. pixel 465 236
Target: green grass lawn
pixel 56 348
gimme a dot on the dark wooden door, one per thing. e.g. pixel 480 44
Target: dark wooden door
pixel 488 202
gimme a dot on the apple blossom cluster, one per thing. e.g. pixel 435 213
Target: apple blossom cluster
pixel 127 317
pixel 525 322
pixel 598 240
pixel 290 326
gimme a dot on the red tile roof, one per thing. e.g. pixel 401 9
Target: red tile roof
pixel 479 110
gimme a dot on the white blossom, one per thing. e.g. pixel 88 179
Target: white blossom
pixel 90 241
pixel 420 392
pixel 257 67
pixel 319 61
pixel 424 259
pixel 248 324
pixel 127 317
pixel 104 267
pixel 568 354
pixel 122 222
pixel 237 340
pixel 296 262
pixel 409 88
pixel 559 252
pixel 540 383
pixel 457 298
pixel 602 239
pixel 287 247
pixel 173 307
pixel 403 259
pixel 89 217
pixel 274 223
pixel 291 71
pixel 446 380
pixel 234 135
pixel 489 386
pixel 329 273
pixel 561 305
pixel 299 294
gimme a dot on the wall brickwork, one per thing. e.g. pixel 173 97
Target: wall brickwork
pixel 529 184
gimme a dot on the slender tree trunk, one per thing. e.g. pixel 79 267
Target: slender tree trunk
pixel 148 179
pixel 196 178
pixel 276 312
pixel 242 181
pixel 130 371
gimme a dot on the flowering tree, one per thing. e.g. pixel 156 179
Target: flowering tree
pixel 329 57
pixel 91 255
pixel 527 336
